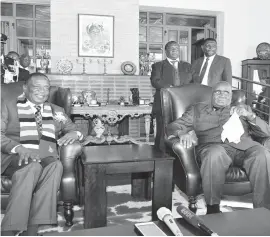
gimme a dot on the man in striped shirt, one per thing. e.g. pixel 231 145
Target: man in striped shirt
pixel 30 127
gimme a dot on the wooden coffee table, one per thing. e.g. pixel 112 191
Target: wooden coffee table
pixel 98 161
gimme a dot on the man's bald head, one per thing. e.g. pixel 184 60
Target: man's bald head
pixel 222 94
pixel 223 84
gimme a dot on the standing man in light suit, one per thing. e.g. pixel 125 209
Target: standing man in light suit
pixel 167 73
pixel 211 68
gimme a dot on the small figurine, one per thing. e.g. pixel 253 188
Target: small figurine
pixel 80 99
pixel 122 100
pixel 89 97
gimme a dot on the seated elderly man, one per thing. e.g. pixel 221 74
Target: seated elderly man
pixel 215 153
pixel 29 130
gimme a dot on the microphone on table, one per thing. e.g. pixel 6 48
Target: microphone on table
pixel 194 220
pixel 165 215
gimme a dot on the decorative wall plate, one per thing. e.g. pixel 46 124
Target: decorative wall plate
pixel 128 68
pixel 64 66
pixel 263 51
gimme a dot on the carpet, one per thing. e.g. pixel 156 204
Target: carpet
pixel 123 209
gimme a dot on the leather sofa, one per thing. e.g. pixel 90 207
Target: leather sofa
pixel 186 172
pixel 68 194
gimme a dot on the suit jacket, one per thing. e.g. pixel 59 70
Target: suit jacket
pixel 10 128
pixel 162 77
pixel 23 74
pixel 220 70
pixel 207 125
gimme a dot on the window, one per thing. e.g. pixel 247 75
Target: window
pixel 32 31
pixel 156 29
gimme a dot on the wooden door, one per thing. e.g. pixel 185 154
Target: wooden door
pixel 209 32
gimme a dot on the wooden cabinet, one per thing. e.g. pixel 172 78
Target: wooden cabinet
pixel 248 71
pixel 249 65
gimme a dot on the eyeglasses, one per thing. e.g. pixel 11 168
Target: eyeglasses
pixel 219 92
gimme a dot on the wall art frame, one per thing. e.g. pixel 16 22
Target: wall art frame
pixel 95 36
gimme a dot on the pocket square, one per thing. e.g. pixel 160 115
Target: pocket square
pixel 60 117
pixel 232 129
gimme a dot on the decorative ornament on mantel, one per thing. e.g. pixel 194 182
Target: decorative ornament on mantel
pixel 83 62
pixel 105 62
pixel 263 51
pixel 128 68
pixel 64 66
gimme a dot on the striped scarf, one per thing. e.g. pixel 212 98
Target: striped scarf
pixel 44 143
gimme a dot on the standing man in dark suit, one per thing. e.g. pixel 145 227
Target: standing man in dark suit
pixel 167 73
pixel 30 127
pixel 211 68
pixel 217 149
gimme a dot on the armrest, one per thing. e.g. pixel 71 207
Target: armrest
pixel 186 159
pixel 63 99
pixel 68 158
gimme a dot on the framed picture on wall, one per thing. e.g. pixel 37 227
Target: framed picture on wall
pixel 96 36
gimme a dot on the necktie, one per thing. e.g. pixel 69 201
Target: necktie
pixel 176 81
pixel 204 69
pixel 38 117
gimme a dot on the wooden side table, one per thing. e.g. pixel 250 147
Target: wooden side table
pixel 98 161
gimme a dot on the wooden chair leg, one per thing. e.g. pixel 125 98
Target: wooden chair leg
pixel 68 213
pixel 173 186
pixel 192 204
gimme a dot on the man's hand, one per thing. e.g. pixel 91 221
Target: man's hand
pixel 186 140
pixel 25 154
pixel 243 110
pixel 68 138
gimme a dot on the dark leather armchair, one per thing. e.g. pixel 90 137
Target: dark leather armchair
pixel 68 194
pixel 186 172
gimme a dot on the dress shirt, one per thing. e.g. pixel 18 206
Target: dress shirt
pixel 32 105
pixel 172 60
pixel 205 78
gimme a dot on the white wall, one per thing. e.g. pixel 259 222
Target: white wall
pixel 246 24
pixel 64 31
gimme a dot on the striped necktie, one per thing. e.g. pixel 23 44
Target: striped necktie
pixel 38 117
pixel 176 79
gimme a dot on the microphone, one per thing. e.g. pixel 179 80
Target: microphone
pixel 194 220
pixel 164 214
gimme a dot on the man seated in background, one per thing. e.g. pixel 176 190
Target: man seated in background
pixel 215 156
pixel 211 68
pixel 30 127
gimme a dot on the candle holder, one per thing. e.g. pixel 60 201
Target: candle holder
pixel 105 62
pixel 83 62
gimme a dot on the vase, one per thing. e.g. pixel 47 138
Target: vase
pixel 135 96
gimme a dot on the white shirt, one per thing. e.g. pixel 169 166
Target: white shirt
pixel 32 105
pixel 205 78
pixel 171 62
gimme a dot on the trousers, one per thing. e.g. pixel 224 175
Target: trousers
pixel 216 159
pixel 159 139
pixel 33 195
